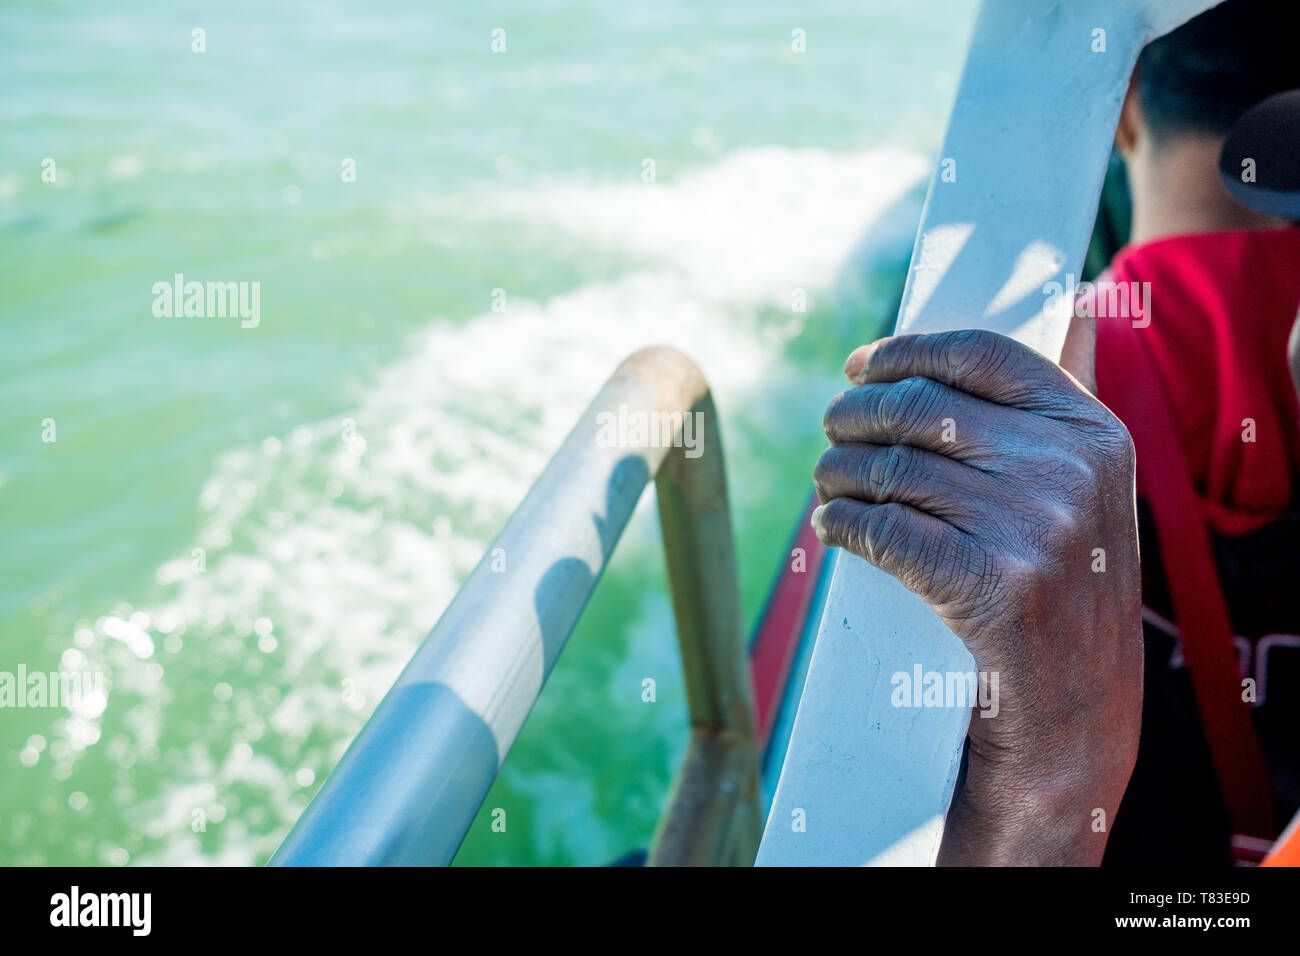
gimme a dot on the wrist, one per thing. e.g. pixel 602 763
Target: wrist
pixel 1003 817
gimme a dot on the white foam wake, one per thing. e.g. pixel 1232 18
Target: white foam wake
pixel 331 551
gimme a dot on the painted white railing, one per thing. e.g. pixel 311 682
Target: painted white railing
pixel 1010 209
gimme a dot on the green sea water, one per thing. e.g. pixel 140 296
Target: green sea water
pixel 248 531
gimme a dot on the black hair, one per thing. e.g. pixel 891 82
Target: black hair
pixel 1204 75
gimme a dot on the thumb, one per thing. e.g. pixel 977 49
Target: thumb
pixel 1079 353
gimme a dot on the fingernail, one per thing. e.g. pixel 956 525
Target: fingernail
pixel 817 519
pixel 857 361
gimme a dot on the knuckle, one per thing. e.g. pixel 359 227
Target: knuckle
pixel 906 403
pixel 1119 445
pixel 1054 500
pixel 893 353
pixel 881 531
pixel 1064 528
pixel 1046 544
pixel 972 352
pixel 1083 471
pixel 957 352
pixel 987 361
pixel 844 522
pixel 1105 453
pixel 885 473
pixel 1016 575
pixel 833 521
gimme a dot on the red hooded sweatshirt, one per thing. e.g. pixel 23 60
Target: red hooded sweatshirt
pixel 1202 321
pixel 1220 307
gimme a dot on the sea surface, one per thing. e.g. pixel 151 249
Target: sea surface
pixel 248 530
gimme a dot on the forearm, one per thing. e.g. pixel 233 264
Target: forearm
pixel 1045 791
pixel 1017 813
pixel 1027 829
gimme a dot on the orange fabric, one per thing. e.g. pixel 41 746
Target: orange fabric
pixel 1286 852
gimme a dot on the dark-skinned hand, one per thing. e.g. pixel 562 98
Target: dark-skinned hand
pixel 989 481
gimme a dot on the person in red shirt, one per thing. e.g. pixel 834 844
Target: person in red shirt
pixel 1148 713
pixel 1193 321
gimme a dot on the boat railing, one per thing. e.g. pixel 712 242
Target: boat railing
pixel 412 782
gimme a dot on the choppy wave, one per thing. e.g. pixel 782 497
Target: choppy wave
pixel 327 553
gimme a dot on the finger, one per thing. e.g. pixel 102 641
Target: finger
pixel 925 554
pixel 976 361
pixel 932 483
pixel 930 415
pixel 1079 353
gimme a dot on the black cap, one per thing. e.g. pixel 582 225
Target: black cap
pixel 1260 162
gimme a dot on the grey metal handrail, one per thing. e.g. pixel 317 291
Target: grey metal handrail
pixel 411 783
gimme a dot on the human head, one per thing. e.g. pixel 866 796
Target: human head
pixel 1188 90
pixel 1200 78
